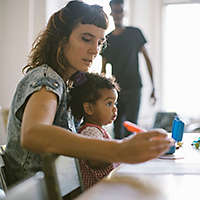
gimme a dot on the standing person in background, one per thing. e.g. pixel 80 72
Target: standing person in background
pixel 93 101
pixel 38 119
pixel 123 47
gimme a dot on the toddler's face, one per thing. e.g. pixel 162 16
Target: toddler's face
pixel 105 110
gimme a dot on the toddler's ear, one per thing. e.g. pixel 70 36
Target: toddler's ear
pixel 88 108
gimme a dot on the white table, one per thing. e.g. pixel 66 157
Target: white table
pixel 159 179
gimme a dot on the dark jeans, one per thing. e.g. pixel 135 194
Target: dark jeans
pixel 128 109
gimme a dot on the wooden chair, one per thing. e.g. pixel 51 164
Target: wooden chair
pixel 61 170
pixel 51 171
pixel 57 169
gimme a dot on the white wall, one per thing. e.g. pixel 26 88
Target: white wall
pixel 54 5
pixel 14 27
pixel 36 19
pixel 19 22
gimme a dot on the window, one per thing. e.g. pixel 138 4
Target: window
pixel 181 59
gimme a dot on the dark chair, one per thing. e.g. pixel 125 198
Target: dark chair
pixel 33 188
pixel 164 120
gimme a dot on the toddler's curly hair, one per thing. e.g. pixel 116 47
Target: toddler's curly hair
pixel 88 91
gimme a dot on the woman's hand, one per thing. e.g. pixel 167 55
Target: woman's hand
pixel 145 146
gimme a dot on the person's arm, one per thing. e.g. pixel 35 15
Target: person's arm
pixel 150 70
pixel 104 62
pixel 39 135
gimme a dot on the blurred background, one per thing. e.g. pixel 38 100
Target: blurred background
pixel 171 28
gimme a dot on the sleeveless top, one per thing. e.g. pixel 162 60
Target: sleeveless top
pixel 21 163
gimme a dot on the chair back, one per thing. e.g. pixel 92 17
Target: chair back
pixel 62 175
pixel 68 172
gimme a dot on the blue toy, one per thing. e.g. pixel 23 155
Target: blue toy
pixel 177 133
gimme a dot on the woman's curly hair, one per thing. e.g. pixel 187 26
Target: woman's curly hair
pixel 88 91
pixel 48 46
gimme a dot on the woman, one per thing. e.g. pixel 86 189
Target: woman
pixel 37 121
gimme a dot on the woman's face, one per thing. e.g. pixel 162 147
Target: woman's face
pixel 83 45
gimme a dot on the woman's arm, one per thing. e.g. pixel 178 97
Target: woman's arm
pixel 94 132
pixel 39 135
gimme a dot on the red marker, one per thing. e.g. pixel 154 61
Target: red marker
pixel 133 127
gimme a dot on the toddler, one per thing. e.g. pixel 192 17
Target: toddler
pixel 93 100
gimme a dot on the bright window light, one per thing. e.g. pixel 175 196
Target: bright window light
pixel 181 60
